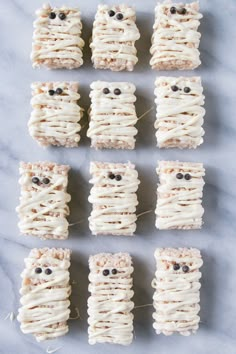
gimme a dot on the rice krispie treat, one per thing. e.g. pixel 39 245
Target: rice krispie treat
pixel 113 38
pixel 56 113
pixel 43 201
pixel 109 306
pixel 175 38
pixel 112 115
pixel 57 41
pixel 179 195
pixel 45 293
pixel 179 112
pixel 177 296
pixel 114 198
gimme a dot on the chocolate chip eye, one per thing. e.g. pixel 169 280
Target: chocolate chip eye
pixel 111 13
pixel 119 16
pixel 187 176
pixel 106 90
pixel 185 269
pixel 51 92
pixel 105 272
pixel 118 178
pixel 59 91
pixel 179 175
pixel 48 271
pixel 38 270
pixel 187 89
pixel 182 11
pixel 176 266
pixel 117 91
pixel 52 15
pixel 173 10
pixel 62 16
pixel 114 271
pixel 174 88
pixel 46 180
pixel 35 180
pixel 111 176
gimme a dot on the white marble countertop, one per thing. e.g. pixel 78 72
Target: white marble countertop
pixel 217 238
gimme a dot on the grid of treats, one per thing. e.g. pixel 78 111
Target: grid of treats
pixel 109 306
pixel 113 198
pixel 113 38
pixel 112 115
pixel 179 195
pixel 57 41
pixel 43 201
pixel 56 114
pixel 45 293
pixel 175 38
pixel 177 291
pixel 180 114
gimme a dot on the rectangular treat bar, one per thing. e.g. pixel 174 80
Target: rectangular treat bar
pixel 113 38
pixel 109 306
pixel 43 201
pixel 112 115
pixel 45 293
pixel 177 291
pixel 56 113
pixel 114 198
pixel 180 113
pixel 179 195
pixel 57 41
pixel 175 38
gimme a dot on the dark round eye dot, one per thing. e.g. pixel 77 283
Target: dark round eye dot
pixel 52 15
pixel 59 91
pixel 119 16
pixel 105 272
pixel 173 10
pixel 48 271
pixel 176 266
pixel 111 176
pixel 174 88
pixel 187 89
pixel 185 269
pixel 114 271
pixel 38 270
pixel 51 92
pixel 187 176
pixel 182 11
pixel 118 177
pixel 35 180
pixel 46 180
pixel 106 90
pixel 179 175
pixel 111 13
pixel 62 16
pixel 117 91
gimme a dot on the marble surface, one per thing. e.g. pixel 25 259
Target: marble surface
pixel 217 238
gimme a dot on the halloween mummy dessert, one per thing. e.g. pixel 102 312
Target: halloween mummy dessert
pixel 109 306
pixel 57 41
pixel 179 112
pixel 45 293
pixel 43 201
pixel 179 195
pixel 112 115
pixel 177 296
pixel 114 198
pixel 175 39
pixel 113 38
pixel 56 114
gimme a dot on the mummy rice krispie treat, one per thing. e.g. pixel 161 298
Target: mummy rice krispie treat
pixel 45 293
pixel 109 306
pixel 57 41
pixel 112 115
pixel 113 38
pixel 179 112
pixel 114 198
pixel 43 201
pixel 179 195
pixel 56 113
pixel 177 296
pixel 175 39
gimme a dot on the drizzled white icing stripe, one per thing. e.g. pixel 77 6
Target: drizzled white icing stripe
pixel 113 40
pixel 176 38
pixel 179 200
pixel 179 114
pixel 57 43
pixel 45 293
pixel 54 119
pixel 114 201
pixel 109 306
pixel 112 117
pixel 176 298
pixel 43 207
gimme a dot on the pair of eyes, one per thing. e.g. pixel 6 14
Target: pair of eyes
pixel 39 270
pixel 119 16
pixel 113 176
pixel 58 91
pixel 184 268
pixel 181 11
pixel 53 15
pixel 180 175
pixel 106 272
pixel 116 91
pixel 175 88
pixel 36 180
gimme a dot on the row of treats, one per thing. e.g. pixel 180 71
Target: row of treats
pixel 43 202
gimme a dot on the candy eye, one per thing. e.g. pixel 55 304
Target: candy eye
pixel 38 270
pixel 187 176
pixel 106 272
pixel 187 89
pixel 106 90
pixel 119 16
pixel 111 13
pixel 111 175
pixel 59 91
pixel 176 266
pixel 51 92
pixel 117 91
pixel 62 16
pixel 174 88
pixel 182 11
pixel 118 178
pixel 114 271
pixel 46 180
pixel 35 180
pixel 185 269
pixel 173 10
pixel 48 271
pixel 52 15
pixel 179 176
